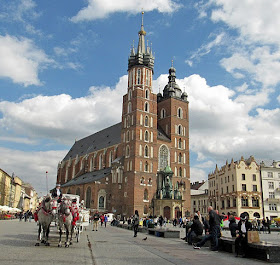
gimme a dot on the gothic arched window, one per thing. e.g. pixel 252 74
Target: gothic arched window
pixel 163 157
pixel 78 191
pixel 162 113
pixel 88 197
pixel 127 153
pixel 147 94
pixel 146 152
pixel 146 121
pixel 146 166
pixel 146 196
pixel 101 202
pixel 146 138
pixel 146 108
pixel 180 113
pixel 139 76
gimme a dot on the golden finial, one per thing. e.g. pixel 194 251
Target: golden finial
pixel 142 18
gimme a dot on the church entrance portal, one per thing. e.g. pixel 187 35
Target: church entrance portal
pixel 166 212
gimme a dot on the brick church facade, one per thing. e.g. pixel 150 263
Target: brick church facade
pixel 141 163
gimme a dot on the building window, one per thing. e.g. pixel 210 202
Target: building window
pixel 100 162
pixel 142 181
pixel 147 94
pixel 127 153
pixel 146 166
pixel 146 137
pixel 129 94
pixel 254 177
pixel 225 179
pixel 163 157
pixel 269 174
pixel 146 152
pixel 140 165
pixel 271 185
pixel 228 203
pixel 180 172
pixel 101 202
pixel 162 113
pixel 180 143
pixel 255 187
pixel 180 131
pixel 138 76
pixel 147 77
pixel 232 177
pixel 243 176
pixel 88 197
pixel 146 107
pixel 272 207
pixel 243 187
pixel 223 204
pixel 244 202
pixel 127 136
pixel 111 158
pixel 234 202
pixel 146 197
pixel 271 195
pixel 180 158
pixel 255 202
pixel 129 107
pixel 150 181
pixel 180 113
pixel 146 124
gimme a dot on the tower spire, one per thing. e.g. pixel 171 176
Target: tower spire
pixel 142 34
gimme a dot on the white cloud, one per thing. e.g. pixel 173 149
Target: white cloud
pixel 256 50
pixel 31 167
pixel 206 48
pixel 98 9
pixel 257 21
pixel 198 174
pixel 49 116
pixel 21 60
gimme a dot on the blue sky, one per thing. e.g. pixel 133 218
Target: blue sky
pixel 63 72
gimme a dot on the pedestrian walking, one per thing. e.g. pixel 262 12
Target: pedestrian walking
pixel 135 223
pixel 214 233
pixel 268 223
pixel 96 217
pixel 105 220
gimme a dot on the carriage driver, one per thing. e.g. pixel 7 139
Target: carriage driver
pixel 56 193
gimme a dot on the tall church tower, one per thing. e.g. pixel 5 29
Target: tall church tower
pixel 173 119
pixel 139 130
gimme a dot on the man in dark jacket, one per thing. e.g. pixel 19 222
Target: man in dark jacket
pixel 56 193
pixel 214 222
pixel 241 241
pixel 195 230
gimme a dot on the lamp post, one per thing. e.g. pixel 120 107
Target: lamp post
pixel 47 182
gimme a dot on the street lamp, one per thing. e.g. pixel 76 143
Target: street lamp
pixel 47 182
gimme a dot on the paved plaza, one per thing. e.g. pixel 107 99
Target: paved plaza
pixel 109 245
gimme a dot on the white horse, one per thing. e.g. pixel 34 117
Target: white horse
pixel 65 219
pixel 45 216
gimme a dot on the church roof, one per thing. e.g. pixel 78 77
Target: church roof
pixel 100 140
pixel 88 177
pixel 162 135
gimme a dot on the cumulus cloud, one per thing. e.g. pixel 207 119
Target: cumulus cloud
pixel 256 50
pixel 98 9
pixel 31 167
pixel 49 116
pixel 21 60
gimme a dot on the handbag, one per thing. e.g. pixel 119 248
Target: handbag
pixel 253 237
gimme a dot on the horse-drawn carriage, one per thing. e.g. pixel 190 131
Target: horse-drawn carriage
pixel 69 215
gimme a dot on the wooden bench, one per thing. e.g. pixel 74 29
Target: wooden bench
pixel 164 233
pixel 264 251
